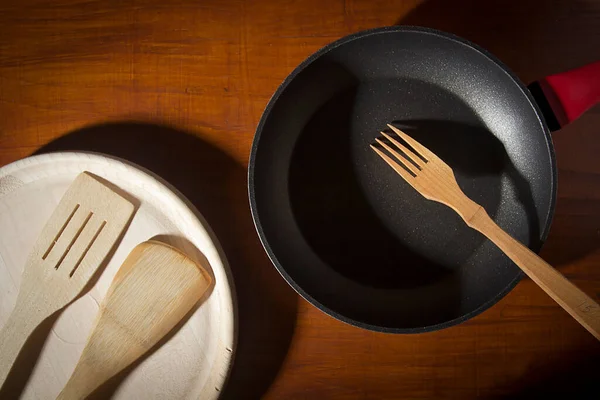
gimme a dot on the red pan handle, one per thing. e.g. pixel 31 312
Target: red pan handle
pixel 564 97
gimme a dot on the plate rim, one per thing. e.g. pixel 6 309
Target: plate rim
pixel 181 202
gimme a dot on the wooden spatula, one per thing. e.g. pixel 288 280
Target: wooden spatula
pixel 154 289
pixel 83 228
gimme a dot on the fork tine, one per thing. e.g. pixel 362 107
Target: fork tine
pixel 405 150
pixel 398 168
pixel 403 160
pixel 419 148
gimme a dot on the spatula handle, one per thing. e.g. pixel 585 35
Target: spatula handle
pixel 81 384
pixel 581 307
pixel 13 336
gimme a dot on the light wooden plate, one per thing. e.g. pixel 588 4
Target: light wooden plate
pixel 195 362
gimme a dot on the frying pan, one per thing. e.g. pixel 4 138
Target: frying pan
pixel 352 237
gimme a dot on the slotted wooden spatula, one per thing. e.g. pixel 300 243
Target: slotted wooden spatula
pixel 154 289
pixel 83 228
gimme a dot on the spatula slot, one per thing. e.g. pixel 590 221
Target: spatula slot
pixel 87 248
pixel 60 232
pixel 87 219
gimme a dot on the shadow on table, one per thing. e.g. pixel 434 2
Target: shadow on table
pixel 572 378
pixel 534 38
pixel 216 185
pixel 577 219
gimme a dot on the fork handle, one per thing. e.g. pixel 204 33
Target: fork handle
pixel 581 307
pixel 19 326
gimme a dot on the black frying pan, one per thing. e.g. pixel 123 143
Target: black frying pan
pixel 348 233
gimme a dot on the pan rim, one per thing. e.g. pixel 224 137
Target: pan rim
pixel 267 112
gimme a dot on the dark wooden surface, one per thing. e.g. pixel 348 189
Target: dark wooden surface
pixel 179 87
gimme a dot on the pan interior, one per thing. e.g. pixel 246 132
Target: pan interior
pixel 350 234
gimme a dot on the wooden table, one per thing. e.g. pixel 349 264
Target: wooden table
pixel 179 86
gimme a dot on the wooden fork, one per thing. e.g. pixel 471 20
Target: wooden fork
pixel 434 179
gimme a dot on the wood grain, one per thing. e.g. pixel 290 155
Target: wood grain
pixel 208 68
pixel 156 286
pixel 81 232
